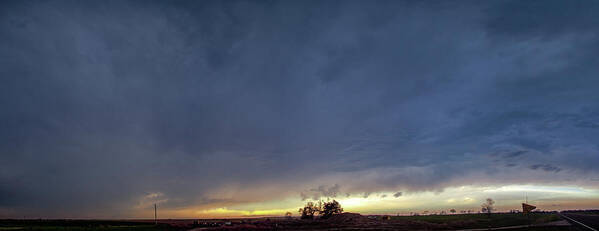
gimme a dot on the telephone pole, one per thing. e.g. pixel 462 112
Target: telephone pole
pixel 155 217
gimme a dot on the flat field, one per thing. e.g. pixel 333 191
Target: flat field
pixel 483 220
pixel 346 221
pixel 76 225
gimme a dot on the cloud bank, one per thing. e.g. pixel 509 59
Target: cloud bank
pixel 108 107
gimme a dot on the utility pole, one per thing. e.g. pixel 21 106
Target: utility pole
pixel 155 217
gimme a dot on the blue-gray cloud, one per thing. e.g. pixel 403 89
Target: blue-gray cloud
pixel 104 103
pixel 545 167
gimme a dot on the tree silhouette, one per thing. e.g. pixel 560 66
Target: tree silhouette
pixel 330 208
pixel 325 210
pixel 308 211
pixel 487 207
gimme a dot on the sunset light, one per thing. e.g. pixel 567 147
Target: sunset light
pixel 189 115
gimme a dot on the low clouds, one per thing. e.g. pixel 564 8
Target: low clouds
pixel 320 192
pixel 225 103
pixel 515 154
pixel 323 191
pixel 150 199
pixel 545 167
pixel 397 194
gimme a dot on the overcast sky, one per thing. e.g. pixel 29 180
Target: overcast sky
pixel 107 107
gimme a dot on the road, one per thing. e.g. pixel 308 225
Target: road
pixel 590 221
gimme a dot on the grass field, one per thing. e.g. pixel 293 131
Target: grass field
pixel 77 225
pixel 77 228
pixel 430 222
pixel 484 221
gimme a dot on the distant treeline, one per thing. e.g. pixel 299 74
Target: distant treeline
pixel 594 211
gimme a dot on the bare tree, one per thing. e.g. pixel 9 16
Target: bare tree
pixel 487 207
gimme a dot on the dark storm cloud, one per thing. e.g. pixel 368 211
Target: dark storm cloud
pixel 110 105
pixel 542 18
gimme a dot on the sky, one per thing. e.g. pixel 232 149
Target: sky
pixel 253 108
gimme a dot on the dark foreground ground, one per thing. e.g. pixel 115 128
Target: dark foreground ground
pixel 75 225
pixel 346 221
pixel 591 220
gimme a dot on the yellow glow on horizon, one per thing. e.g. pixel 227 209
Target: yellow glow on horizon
pixel 459 198
pixel 233 212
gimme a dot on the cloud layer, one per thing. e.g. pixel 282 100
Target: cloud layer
pixel 108 107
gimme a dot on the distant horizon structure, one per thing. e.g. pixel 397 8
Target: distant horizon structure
pixel 527 208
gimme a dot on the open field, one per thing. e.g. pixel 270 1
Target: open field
pixel 482 220
pixel 346 221
pixel 76 225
